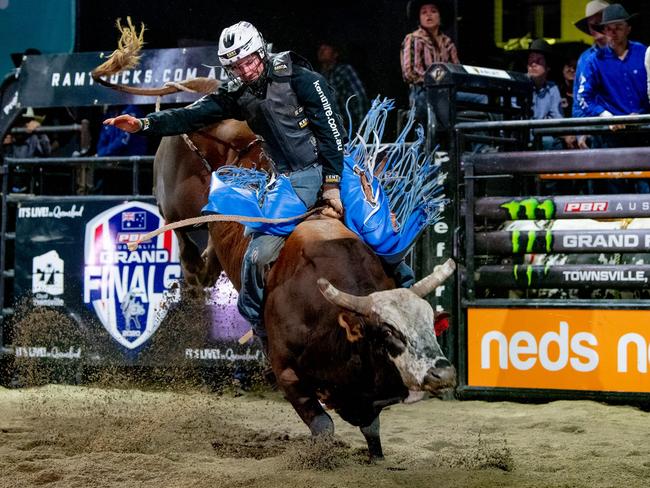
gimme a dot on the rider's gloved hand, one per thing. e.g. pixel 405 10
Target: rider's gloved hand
pixel 126 122
pixel 332 197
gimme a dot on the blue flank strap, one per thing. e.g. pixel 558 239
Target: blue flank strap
pixel 409 185
pixel 248 192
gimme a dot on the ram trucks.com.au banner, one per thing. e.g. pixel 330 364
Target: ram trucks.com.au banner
pixel 72 256
pixel 56 80
pixel 568 349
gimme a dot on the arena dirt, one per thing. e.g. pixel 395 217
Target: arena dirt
pixel 184 426
pixel 75 436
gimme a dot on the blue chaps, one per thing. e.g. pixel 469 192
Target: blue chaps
pixel 264 249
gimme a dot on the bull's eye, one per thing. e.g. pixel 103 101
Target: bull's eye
pixel 393 341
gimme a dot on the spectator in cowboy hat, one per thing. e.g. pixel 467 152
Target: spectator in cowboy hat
pixel 615 82
pixel 546 95
pixel 30 144
pixel 587 24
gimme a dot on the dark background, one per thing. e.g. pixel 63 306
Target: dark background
pixel 370 32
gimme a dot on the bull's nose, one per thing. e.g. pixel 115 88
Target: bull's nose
pixel 440 377
pixel 443 363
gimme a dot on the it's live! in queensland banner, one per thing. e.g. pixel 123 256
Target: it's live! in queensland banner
pixel 569 349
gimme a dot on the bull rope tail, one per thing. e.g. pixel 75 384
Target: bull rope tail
pixel 218 218
pixel 127 54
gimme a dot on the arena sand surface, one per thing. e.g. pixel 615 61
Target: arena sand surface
pixel 72 436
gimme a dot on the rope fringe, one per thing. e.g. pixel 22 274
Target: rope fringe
pixel 411 179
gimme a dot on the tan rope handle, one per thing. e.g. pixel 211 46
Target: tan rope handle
pixel 217 218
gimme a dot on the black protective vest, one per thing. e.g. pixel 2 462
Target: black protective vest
pixel 280 119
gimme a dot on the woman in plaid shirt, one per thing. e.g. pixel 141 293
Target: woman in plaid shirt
pixel 423 47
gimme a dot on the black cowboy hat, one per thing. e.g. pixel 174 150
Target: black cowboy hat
pixel 540 46
pixel 445 7
pixel 615 13
pixel 594 7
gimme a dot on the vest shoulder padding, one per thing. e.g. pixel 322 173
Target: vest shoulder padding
pixel 282 63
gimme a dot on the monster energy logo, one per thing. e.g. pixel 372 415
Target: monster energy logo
pixel 530 208
pixel 529 273
pixel 573 276
pixel 531 237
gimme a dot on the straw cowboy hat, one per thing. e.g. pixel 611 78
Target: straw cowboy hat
pixel 30 115
pixel 594 7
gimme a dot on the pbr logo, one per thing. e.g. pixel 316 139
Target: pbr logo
pixel 127 289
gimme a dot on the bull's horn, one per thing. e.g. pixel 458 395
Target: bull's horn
pixel 429 283
pixel 362 305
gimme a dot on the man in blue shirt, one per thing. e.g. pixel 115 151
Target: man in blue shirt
pixel 588 24
pixel 614 80
pixel 115 142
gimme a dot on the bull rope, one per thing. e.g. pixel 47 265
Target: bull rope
pixel 218 218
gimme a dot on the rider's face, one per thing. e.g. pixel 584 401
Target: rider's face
pixel 249 69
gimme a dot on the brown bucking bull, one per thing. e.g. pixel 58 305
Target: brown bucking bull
pixel 339 334
pixel 356 350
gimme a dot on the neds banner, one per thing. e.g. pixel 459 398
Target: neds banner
pixel 572 349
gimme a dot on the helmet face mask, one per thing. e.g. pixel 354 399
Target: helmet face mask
pixel 248 69
pixel 237 44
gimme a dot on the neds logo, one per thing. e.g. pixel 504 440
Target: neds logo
pixel 523 350
pixel 555 351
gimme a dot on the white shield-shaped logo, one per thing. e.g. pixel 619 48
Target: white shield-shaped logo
pixel 47 274
pixel 127 289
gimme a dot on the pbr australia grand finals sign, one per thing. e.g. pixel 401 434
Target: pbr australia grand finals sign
pixel 72 255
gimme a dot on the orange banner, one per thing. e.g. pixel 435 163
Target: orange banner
pixel 599 350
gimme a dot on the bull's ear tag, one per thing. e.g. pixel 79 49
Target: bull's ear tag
pixel 353 330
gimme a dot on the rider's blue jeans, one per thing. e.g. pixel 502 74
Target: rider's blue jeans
pixel 264 249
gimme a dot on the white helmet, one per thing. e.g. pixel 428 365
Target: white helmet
pixel 238 41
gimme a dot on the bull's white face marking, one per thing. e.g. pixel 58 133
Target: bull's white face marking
pixel 413 318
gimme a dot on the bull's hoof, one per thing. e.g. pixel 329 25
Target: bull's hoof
pixel 322 425
pixel 375 458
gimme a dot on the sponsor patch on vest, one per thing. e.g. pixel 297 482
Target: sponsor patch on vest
pixel 303 123
pixel 280 67
pixel 299 110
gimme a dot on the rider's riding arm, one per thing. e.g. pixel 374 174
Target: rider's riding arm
pixel 322 112
pixel 205 111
